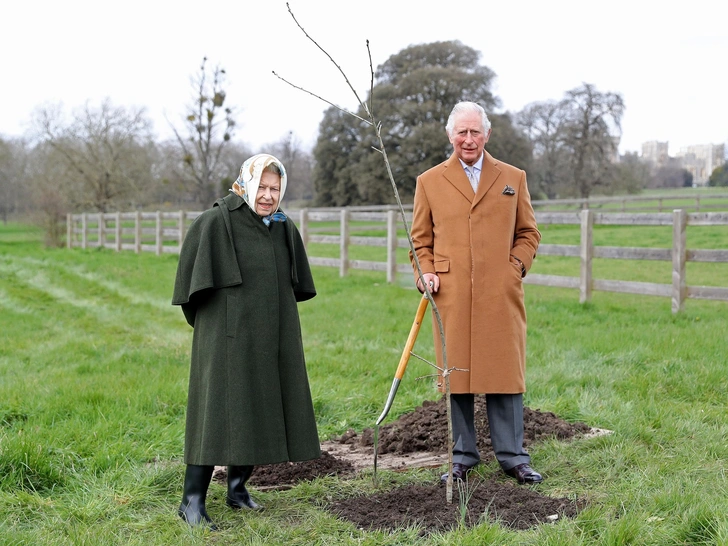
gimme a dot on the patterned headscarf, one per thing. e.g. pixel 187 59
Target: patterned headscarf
pixel 246 186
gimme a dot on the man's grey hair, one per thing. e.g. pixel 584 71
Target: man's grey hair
pixel 467 107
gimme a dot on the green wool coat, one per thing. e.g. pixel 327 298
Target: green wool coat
pixel 238 282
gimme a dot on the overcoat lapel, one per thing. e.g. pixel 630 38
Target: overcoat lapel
pixel 455 174
pixel 488 175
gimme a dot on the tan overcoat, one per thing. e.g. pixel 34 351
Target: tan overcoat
pixel 467 239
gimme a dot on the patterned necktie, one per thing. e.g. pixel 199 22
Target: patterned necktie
pixel 472 177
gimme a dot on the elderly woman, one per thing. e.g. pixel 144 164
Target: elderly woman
pixel 242 269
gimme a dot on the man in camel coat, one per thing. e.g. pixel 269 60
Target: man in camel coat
pixel 475 236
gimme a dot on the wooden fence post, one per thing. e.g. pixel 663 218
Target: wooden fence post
pixel 303 227
pixel 118 231
pixel 586 254
pixel 69 231
pixel 679 255
pixel 159 233
pixel 101 229
pixel 138 232
pixel 84 233
pixel 344 243
pixel 181 229
pixel 391 246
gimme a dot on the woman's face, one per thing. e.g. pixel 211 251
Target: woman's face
pixel 269 192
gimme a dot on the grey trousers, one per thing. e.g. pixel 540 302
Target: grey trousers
pixel 505 418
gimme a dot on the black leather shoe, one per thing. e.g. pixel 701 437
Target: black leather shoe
pixel 524 474
pixel 459 472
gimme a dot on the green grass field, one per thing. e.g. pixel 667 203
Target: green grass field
pixel 652 200
pixel 93 379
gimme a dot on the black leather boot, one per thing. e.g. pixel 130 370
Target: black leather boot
pixel 192 509
pixel 237 495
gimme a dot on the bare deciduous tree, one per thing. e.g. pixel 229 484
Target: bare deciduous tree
pixel 105 152
pixel 173 187
pixel 543 124
pixel 13 169
pixel 593 125
pixel 299 166
pixel 208 128
pixel 50 202
pixel 575 141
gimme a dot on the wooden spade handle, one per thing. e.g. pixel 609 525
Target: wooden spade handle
pixel 412 337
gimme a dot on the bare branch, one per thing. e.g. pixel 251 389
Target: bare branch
pixel 426 361
pixel 445 374
pixel 325 53
pixel 450 370
pixel 321 98
pixel 370 109
pixel 382 149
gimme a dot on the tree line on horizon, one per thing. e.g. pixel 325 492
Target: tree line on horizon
pixel 103 158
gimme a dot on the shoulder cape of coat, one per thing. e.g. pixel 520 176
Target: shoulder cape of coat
pixel 208 260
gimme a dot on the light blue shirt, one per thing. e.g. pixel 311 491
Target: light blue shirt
pixel 477 167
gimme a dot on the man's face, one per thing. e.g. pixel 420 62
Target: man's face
pixel 468 139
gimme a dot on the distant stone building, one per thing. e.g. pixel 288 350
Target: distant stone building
pixel 655 152
pixel 700 160
pixel 614 156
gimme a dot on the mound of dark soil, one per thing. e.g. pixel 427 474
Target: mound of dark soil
pixel 292 473
pixel 425 430
pixel 281 475
pixel 424 505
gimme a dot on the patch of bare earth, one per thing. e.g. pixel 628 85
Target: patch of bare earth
pixel 419 439
pixel 424 506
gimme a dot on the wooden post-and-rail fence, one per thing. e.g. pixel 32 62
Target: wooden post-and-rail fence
pixel 164 232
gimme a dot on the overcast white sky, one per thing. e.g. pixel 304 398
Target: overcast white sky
pixel 667 59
